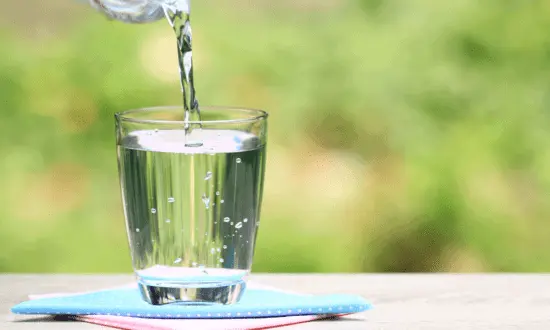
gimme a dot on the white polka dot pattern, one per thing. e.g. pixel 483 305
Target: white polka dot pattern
pixel 254 303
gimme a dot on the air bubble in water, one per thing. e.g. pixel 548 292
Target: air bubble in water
pixel 239 225
pixel 212 250
pixel 222 201
pixel 194 264
pixel 245 220
pixel 239 160
pixel 225 247
pixel 217 193
pixel 177 261
pixel 219 250
pixel 226 219
pixel 167 220
pixel 231 223
pixel 221 260
pixel 171 199
pixel 137 230
pixel 206 201
pixel 208 176
pixel 194 144
pixel 153 210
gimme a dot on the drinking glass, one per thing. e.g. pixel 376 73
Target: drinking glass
pixel 192 195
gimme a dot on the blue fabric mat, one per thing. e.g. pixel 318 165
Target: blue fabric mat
pixel 254 303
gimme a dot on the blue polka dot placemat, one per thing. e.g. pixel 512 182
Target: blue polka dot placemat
pixel 254 303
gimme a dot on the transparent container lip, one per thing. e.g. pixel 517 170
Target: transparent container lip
pixel 255 115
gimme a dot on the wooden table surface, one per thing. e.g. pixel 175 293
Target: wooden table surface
pixel 400 301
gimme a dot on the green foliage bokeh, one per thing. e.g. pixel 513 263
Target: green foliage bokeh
pixel 404 136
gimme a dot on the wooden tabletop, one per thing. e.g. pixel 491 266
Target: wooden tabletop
pixel 400 301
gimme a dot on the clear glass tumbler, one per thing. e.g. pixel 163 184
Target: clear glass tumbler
pixel 192 209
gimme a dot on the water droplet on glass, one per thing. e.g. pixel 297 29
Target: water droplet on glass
pixel 177 261
pixel 153 210
pixel 206 201
pixel 245 220
pixel 137 230
pixel 239 225
pixel 222 201
pixel 225 247
pixel 221 260
pixel 217 193
pixel 167 220
pixel 226 219
pixel 208 176
pixel 171 199
pixel 238 160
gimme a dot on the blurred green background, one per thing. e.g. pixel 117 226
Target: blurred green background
pixel 404 136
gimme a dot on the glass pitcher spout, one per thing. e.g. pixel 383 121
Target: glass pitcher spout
pixel 132 11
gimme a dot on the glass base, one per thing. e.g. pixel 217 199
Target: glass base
pixel 200 293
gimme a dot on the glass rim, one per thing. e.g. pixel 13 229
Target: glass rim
pixel 255 115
